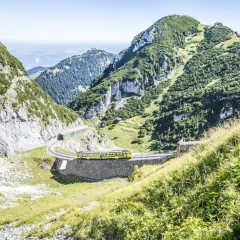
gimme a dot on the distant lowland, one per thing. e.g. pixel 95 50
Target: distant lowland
pixel 49 54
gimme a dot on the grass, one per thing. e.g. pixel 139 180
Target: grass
pixel 193 197
pixel 125 132
pixel 229 42
pixel 192 43
pixel 212 83
pixel 62 195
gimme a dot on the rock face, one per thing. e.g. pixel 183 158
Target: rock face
pixel 147 38
pixel 72 76
pixel 218 24
pixel 118 57
pixel 20 132
pixel 91 140
pixel 226 113
pixel 28 117
pixel 116 92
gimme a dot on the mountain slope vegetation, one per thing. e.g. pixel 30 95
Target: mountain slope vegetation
pixel 195 196
pixel 192 85
pixel 152 57
pixel 72 76
pixel 205 94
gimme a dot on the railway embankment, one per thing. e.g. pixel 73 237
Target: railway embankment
pixel 105 169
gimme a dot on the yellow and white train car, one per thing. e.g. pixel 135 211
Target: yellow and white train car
pixel 124 154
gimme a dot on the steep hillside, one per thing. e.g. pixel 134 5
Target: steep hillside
pixel 72 76
pixel 28 116
pixel 206 93
pixel 33 73
pixel 193 89
pixel 195 196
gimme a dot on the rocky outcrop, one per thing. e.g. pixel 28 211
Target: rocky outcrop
pixel 147 38
pixel 91 140
pixel 167 68
pixel 226 112
pixel 118 57
pixel 116 92
pixel 177 118
pixel 217 24
pixel 20 131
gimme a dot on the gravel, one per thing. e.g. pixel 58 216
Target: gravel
pixel 11 232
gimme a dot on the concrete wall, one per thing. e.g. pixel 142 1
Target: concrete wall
pixel 103 169
pixel 183 146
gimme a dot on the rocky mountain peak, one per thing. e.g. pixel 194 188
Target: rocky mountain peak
pixel 217 24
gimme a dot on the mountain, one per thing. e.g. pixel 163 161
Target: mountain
pixel 28 116
pixel 35 70
pixel 72 76
pixel 152 57
pixel 177 79
pixel 194 197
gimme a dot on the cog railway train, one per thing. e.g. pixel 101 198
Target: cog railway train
pixel 124 154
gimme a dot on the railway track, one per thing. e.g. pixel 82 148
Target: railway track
pixel 136 156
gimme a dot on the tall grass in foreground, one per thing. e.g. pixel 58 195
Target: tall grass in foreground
pixel 196 196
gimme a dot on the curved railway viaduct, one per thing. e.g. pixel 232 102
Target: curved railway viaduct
pixel 103 169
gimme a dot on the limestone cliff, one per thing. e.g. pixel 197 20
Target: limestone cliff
pixel 72 76
pixel 117 91
pixel 28 116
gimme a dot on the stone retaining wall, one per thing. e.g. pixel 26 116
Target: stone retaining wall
pixel 103 169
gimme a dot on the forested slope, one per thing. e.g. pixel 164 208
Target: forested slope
pixel 72 76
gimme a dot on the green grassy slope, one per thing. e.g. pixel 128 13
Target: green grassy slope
pixel 26 93
pixel 66 194
pixel 196 196
pixel 126 133
pixel 208 87
pixel 193 197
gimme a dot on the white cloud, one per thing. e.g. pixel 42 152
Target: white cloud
pixel 37 60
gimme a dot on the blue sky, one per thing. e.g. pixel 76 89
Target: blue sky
pixel 106 21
